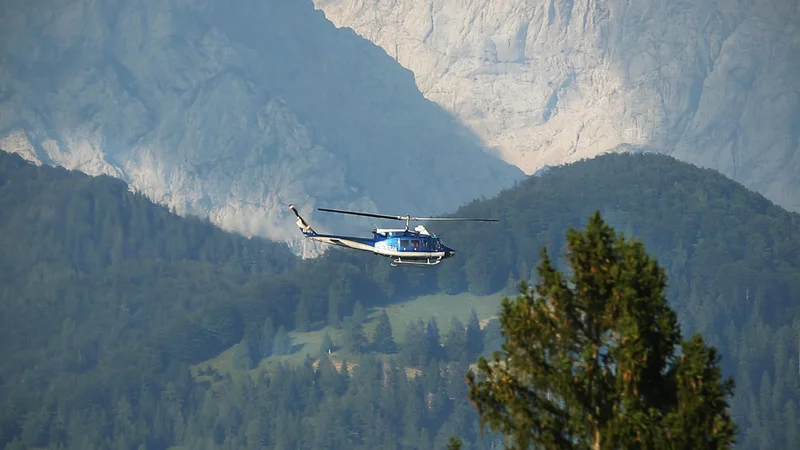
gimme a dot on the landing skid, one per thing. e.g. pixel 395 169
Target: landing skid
pixel 429 262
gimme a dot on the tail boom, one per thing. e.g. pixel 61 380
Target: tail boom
pixel 332 239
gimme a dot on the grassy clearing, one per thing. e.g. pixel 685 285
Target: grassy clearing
pixel 440 306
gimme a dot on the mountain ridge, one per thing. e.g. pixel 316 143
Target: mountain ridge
pixel 710 82
pixel 233 112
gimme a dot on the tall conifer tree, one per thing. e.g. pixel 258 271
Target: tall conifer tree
pixel 383 340
pixel 590 362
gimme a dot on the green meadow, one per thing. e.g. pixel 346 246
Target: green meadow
pixel 440 306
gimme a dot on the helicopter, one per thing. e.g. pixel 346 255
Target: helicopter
pixel 417 247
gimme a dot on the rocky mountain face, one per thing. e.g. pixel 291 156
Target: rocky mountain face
pixel 712 82
pixel 232 110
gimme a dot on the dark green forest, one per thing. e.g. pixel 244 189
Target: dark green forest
pixel 107 300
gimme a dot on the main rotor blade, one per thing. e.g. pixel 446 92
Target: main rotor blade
pixel 386 216
pixel 462 219
pixel 355 213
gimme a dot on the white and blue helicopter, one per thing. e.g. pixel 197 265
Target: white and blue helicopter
pixel 415 247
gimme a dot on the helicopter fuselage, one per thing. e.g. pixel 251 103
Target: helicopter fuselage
pixel 415 247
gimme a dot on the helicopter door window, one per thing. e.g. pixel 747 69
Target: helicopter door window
pixel 415 244
pixel 404 243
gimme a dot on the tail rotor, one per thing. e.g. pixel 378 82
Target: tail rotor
pixel 304 227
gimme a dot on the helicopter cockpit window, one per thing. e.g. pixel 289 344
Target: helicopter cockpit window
pixel 415 243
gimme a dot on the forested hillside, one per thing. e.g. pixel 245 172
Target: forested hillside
pixel 107 301
pixel 733 260
pixel 90 270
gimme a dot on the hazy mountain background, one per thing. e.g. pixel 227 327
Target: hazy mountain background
pixel 124 325
pixel 232 111
pixel 712 82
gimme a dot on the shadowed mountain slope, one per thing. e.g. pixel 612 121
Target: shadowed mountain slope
pixel 232 111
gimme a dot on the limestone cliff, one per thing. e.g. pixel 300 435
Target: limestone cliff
pixel 712 82
pixel 232 110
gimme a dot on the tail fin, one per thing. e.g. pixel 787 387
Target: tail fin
pixel 304 227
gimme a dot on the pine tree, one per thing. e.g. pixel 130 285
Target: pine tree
pixel 327 345
pixel 301 317
pixel 433 340
pixel 354 337
pixel 455 341
pixel 282 342
pixel 414 346
pixel 590 362
pixel 267 339
pixel 474 335
pixel 333 313
pixel 358 312
pixel 382 340
pixel 339 293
